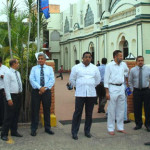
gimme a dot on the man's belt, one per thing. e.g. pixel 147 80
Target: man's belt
pixel 116 84
pixel 142 89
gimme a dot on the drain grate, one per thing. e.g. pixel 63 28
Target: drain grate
pixel 94 120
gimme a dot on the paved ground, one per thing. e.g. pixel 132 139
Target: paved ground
pixel 62 139
pixel 101 140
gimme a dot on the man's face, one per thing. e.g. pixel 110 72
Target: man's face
pixel 119 58
pixel 87 59
pixel 140 62
pixel 16 65
pixel 41 60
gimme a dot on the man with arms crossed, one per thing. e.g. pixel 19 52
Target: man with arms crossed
pixel 114 84
pixel 85 77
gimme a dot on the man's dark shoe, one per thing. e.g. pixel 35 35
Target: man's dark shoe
pixel 75 137
pixel 33 133
pixel 127 121
pixel 137 127
pixel 49 132
pixel 4 138
pixel 88 135
pixel 148 129
pixel 147 143
pixel 16 134
pixel 101 111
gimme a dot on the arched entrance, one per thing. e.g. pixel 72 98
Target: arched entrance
pixel 123 45
pixel 91 50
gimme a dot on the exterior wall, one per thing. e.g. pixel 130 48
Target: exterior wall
pixel 124 20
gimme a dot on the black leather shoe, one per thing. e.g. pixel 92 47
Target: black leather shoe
pixel 101 111
pixel 75 137
pixel 4 138
pixel 137 127
pixel 49 132
pixel 33 133
pixel 88 135
pixel 16 134
pixel 127 121
pixel 147 143
pixel 148 129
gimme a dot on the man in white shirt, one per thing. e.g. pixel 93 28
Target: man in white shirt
pixel 3 70
pixel 115 92
pixel 13 89
pixel 85 77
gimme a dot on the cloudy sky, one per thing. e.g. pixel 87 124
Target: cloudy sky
pixel 64 4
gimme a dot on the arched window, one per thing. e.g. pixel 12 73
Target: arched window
pixel 66 27
pixel 55 36
pixel 89 17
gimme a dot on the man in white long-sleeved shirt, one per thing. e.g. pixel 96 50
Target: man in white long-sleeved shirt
pixel 114 84
pixel 13 89
pixel 85 77
pixel 3 70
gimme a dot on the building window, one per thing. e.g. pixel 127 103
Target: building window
pixel 66 27
pixel 55 36
pixel 89 17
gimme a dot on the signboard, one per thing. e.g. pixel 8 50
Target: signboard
pixel 147 51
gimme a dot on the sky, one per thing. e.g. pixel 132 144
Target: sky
pixel 64 4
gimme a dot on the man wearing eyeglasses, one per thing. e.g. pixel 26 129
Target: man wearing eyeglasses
pixel 85 77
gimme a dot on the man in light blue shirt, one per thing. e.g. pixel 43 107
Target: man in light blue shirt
pixel 41 79
pixel 100 88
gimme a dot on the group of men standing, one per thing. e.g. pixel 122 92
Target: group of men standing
pixel 41 79
pixel 86 76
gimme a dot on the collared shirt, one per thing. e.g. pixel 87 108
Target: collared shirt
pixel 134 77
pixel 49 79
pixel 3 70
pixel 85 79
pixel 102 71
pixel 114 73
pixel 11 83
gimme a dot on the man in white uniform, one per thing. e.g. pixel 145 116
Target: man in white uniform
pixel 85 77
pixel 114 84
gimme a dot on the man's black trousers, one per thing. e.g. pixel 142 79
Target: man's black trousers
pixel 79 104
pixel 35 107
pixel 140 96
pixel 11 116
pixel 2 106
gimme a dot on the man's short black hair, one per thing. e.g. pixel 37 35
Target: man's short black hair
pixel 77 62
pixel 104 60
pixel 139 57
pixel 116 52
pixel 86 53
pixel 1 60
pixel 12 61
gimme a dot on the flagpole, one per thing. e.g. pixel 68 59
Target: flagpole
pixel 38 27
pixel 9 30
